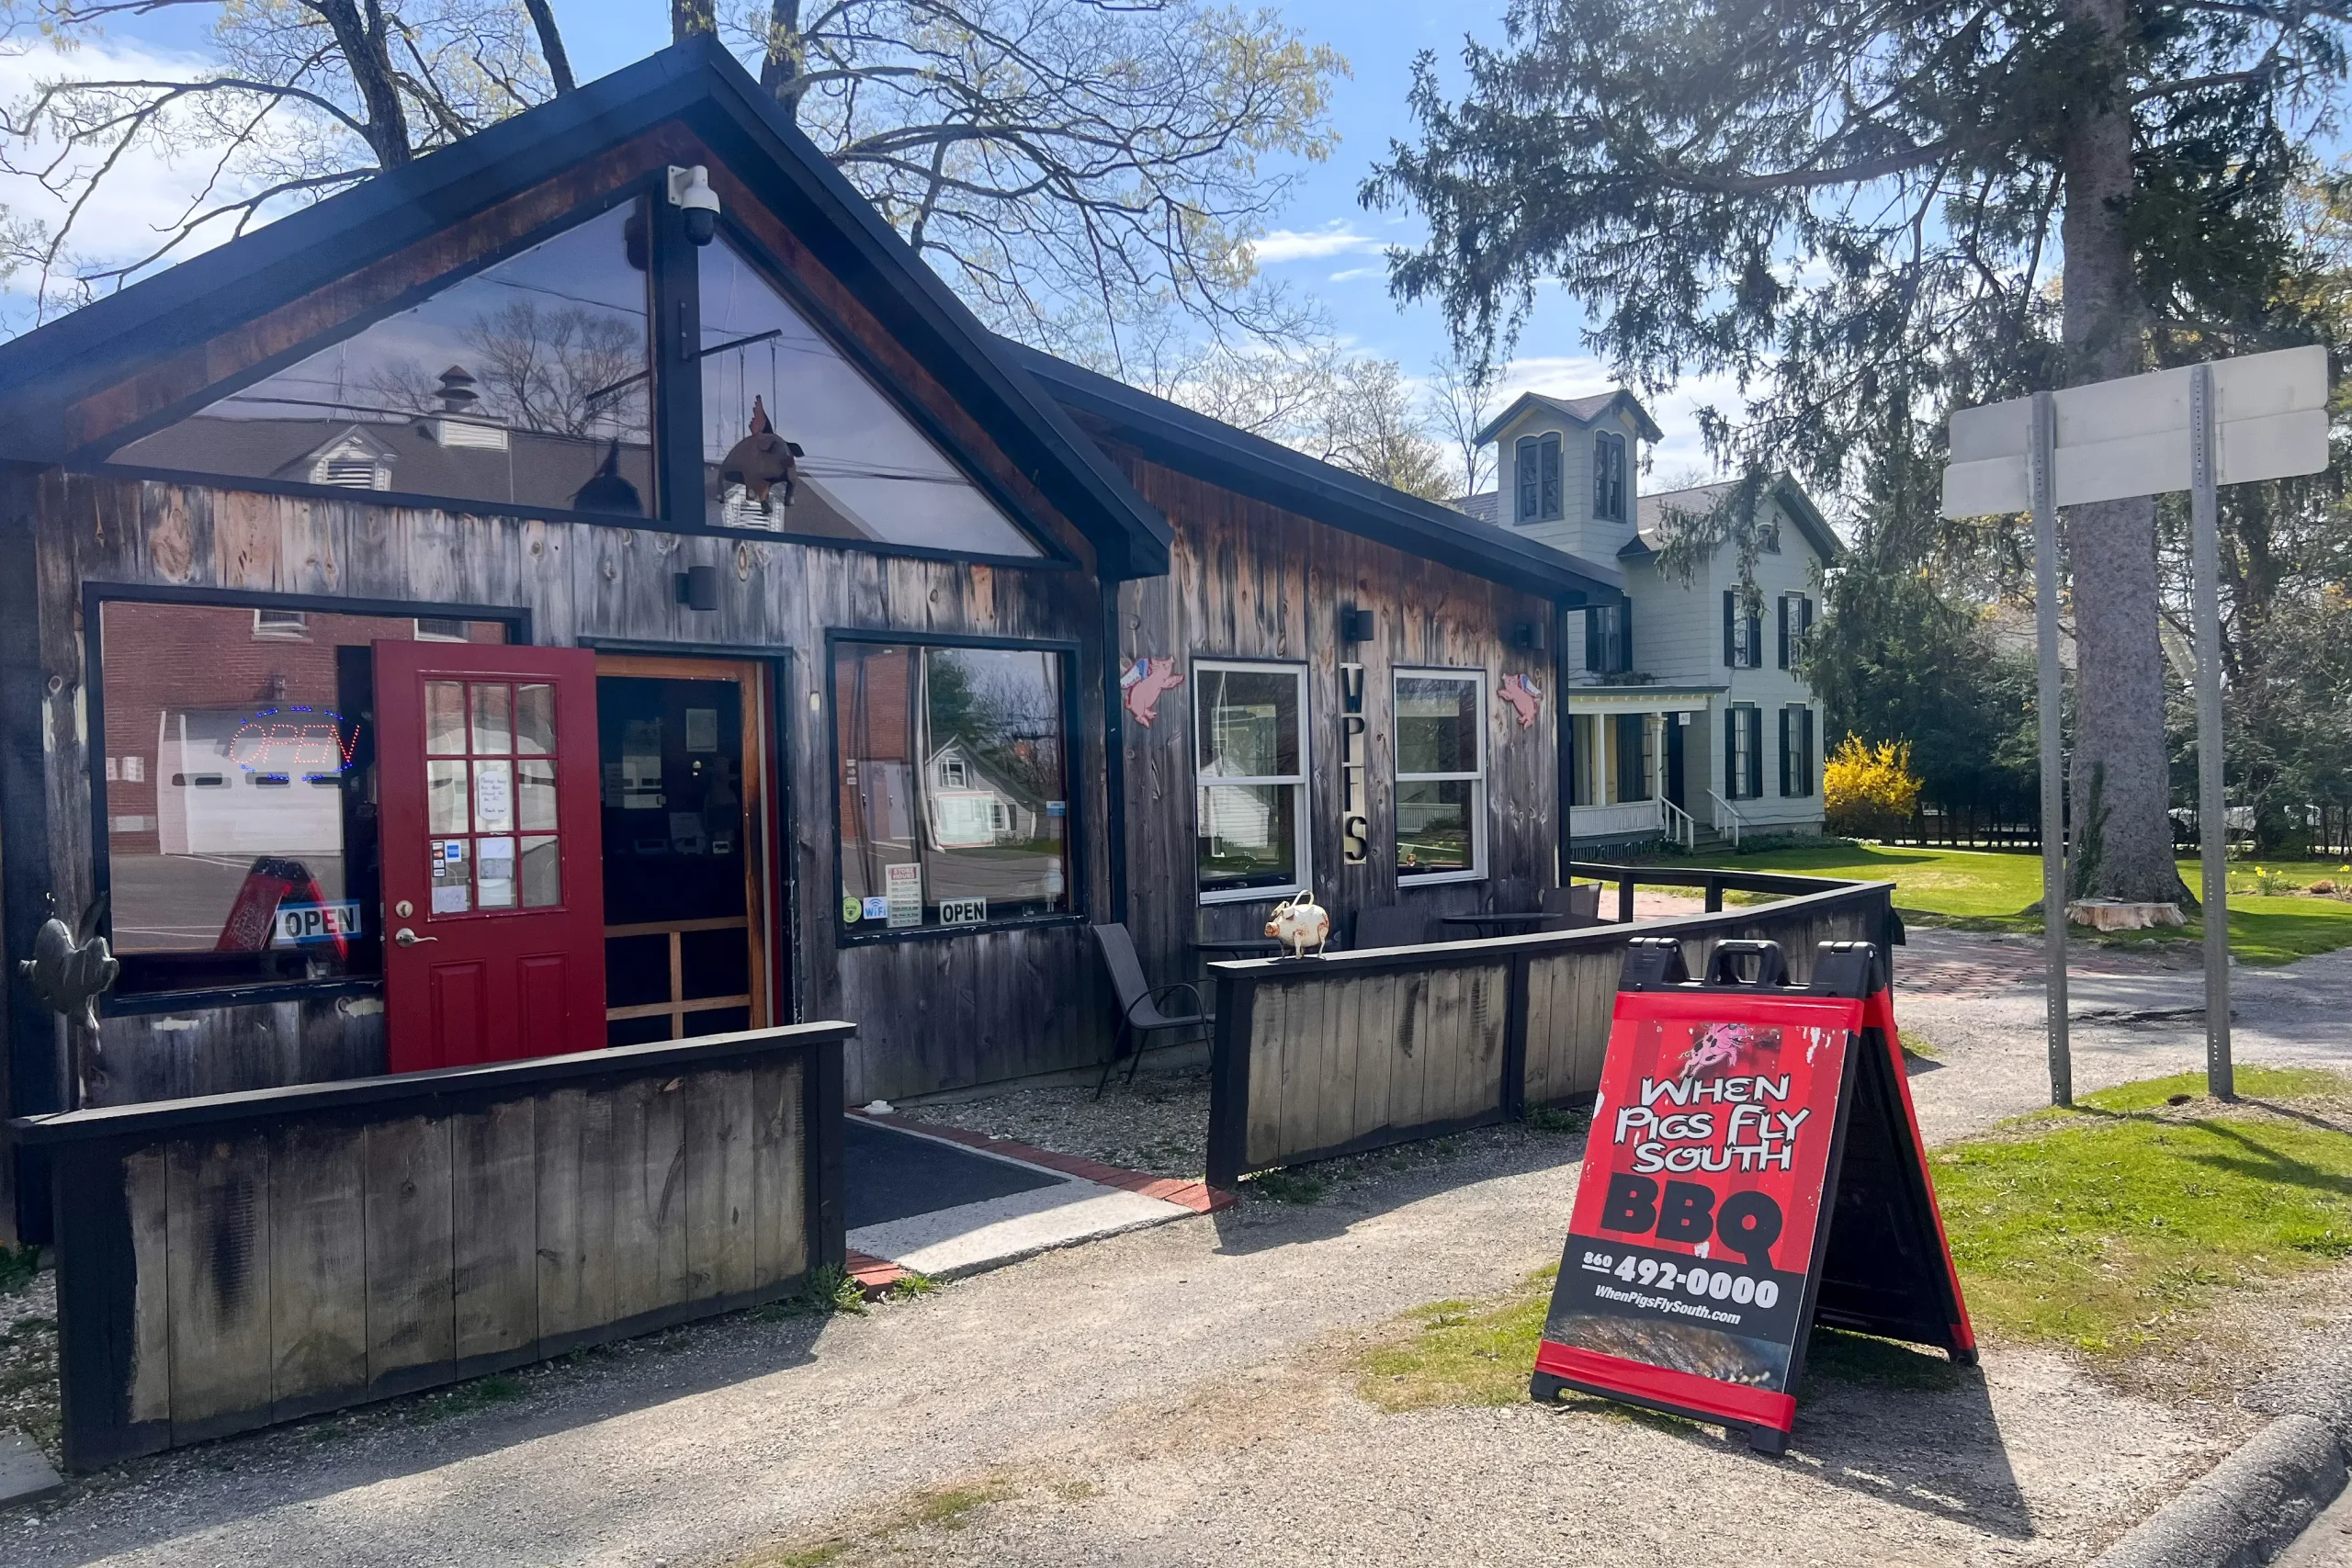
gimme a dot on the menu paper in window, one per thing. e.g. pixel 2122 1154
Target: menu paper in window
pixel 904 886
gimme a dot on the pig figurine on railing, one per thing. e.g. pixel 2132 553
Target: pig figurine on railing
pixel 1300 923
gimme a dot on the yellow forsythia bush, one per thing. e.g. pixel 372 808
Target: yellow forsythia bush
pixel 1869 792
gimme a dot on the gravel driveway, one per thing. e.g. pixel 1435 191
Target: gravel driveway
pixel 1187 1395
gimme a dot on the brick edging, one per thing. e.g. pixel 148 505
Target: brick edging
pixel 872 1276
pixel 1197 1196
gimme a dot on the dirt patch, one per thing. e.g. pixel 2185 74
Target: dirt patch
pixel 1159 1124
pixel 2027 1461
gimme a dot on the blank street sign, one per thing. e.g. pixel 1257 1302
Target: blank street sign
pixel 2131 436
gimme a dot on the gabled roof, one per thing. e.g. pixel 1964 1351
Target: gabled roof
pixel 1486 506
pixel 1581 410
pixel 1649 530
pixel 1251 465
pixel 696 83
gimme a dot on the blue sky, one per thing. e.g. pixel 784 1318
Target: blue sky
pixel 1324 246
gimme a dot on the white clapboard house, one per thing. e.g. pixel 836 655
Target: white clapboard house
pixel 1690 720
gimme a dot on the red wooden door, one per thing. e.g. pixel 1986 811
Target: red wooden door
pixel 492 855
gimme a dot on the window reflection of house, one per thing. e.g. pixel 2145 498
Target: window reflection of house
pixel 974 808
pixel 1233 818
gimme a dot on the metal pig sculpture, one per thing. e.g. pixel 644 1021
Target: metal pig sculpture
pixel 1300 923
pixel 69 971
pixel 762 461
pixel 1146 681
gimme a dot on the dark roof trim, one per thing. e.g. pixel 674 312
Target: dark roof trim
pixel 1783 489
pixel 1582 411
pixel 696 83
pixel 1268 471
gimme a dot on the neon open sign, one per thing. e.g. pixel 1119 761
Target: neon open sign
pixel 294 740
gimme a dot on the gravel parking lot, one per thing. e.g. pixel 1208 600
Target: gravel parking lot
pixel 1189 1394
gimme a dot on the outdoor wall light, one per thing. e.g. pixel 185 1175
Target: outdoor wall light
pixel 1357 626
pixel 1527 634
pixel 690 190
pixel 699 587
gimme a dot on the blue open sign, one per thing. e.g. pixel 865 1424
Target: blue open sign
pixel 302 925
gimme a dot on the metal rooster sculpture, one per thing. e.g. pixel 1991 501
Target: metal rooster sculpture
pixel 69 971
pixel 762 461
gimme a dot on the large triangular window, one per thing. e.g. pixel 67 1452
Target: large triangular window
pixel 523 384
pixel 797 439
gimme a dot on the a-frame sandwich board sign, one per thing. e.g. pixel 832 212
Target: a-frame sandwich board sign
pixel 1754 1167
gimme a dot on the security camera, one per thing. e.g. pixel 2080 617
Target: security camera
pixel 690 191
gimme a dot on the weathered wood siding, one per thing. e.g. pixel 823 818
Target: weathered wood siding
pixel 935 1012
pixel 1336 1065
pixel 1319 1056
pixel 1250 580
pixel 229 1264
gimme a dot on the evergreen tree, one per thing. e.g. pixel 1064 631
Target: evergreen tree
pixel 1856 208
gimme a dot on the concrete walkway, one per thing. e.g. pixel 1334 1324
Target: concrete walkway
pixel 1188 1394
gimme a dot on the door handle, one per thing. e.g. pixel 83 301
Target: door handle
pixel 408 937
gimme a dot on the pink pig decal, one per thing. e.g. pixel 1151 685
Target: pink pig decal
pixel 1523 695
pixel 1146 681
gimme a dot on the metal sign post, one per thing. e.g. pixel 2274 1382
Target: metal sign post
pixel 2212 810
pixel 2050 697
pixel 2261 416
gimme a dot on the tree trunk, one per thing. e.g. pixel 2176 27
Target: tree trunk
pixel 552 45
pixel 781 66
pixel 2125 844
pixel 366 51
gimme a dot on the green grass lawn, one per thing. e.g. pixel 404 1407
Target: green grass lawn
pixel 2107 1228
pixel 1991 890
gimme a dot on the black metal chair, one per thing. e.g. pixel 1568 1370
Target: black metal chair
pixel 1140 1012
pixel 1577 905
pixel 1397 925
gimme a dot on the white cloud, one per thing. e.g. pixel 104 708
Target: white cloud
pixel 146 190
pixel 1349 275
pixel 1334 239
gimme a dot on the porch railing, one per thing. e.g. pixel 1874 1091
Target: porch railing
pixel 1316 1058
pixel 243 1260
pixel 1726 812
pixel 1677 825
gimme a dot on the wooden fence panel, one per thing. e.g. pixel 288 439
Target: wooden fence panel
pixel 240 1259
pixel 1320 1056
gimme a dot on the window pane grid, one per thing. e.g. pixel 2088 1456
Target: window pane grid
pixel 492 817
pixel 1250 766
pixel 1440 810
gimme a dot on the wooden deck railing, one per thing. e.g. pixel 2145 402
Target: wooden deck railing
pixel 232 1261
pixel 1314 1057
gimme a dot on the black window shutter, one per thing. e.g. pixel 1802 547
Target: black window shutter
pixel 1785 758
pixel 1755 753
pixel 1756 652
pixel 1805 784
pixel 1783 602
pixel 1806 619
pixel 1731 608
pixel 1731 753
pixel 1625 634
